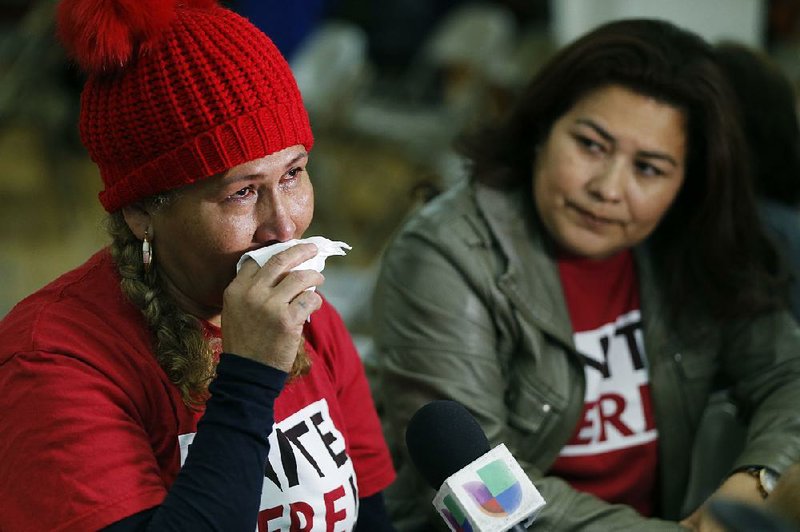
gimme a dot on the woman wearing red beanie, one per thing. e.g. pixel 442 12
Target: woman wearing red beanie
pixel 153 387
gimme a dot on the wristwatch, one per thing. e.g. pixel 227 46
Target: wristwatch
pixel 766 477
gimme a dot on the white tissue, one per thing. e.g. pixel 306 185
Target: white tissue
pixel 325 249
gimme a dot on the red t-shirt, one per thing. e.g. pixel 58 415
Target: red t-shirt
pixel 613 452
pixel 93 431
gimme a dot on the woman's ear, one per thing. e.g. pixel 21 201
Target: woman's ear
pixel 138 219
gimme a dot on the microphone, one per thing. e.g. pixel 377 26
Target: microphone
pixel 478 489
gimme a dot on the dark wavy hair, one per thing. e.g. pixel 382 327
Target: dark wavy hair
pixel 767 101
pixel 710 249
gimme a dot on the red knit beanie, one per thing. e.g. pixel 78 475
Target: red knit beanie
pixel 176 92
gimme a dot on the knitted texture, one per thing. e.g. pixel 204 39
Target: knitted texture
pixel 211 92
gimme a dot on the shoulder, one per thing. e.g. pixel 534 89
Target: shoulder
pixel 454 209
pixel 80 313
pixel 450 225
pixel 472 228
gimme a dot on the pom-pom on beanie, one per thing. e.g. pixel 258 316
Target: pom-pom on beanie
pixel 176 91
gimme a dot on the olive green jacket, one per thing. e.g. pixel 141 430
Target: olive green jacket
pixel 469 307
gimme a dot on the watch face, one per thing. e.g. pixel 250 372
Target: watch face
pixel 768 479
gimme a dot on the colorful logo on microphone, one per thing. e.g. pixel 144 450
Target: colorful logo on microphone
pixel 498 493
pixel 455 515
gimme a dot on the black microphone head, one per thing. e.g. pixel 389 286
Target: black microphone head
pixel 443 437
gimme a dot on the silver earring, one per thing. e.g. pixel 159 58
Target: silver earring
pixel 147 252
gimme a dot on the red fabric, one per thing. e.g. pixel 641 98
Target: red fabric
pixel 613 453
pixel 597 291
pixel 102 38
pixel 202 91
pixel 90 423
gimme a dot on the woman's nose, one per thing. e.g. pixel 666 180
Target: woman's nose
pixel 609 181
pixel 275 221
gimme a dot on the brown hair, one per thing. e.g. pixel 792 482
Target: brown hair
pixel 768 103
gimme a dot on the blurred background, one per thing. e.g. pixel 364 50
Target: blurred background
pixel 389 84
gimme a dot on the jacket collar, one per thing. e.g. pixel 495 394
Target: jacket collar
pixel 539 298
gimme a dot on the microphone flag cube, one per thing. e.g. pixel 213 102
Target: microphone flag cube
pixel 492 493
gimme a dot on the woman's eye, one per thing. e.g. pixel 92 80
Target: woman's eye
pixel 243 193
pixel 292 175
pixel 646 169
pixel 589 144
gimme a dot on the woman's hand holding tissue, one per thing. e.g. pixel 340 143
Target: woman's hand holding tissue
pixel 264 308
